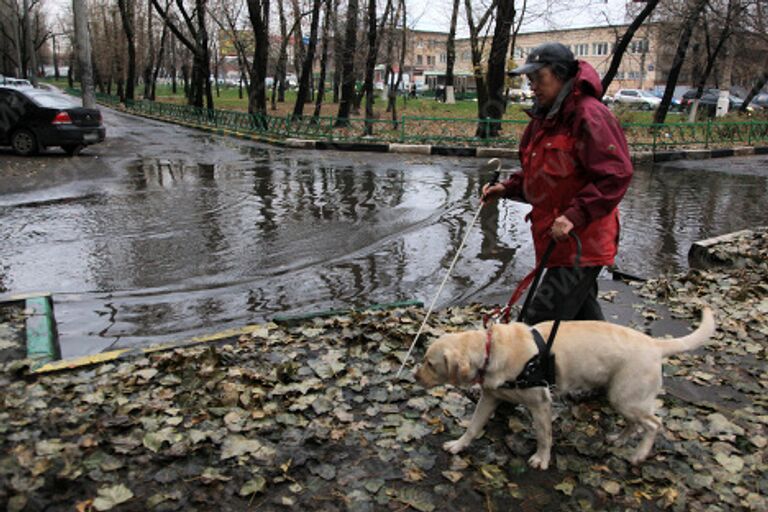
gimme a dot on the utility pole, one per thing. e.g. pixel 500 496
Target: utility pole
pixel 83 49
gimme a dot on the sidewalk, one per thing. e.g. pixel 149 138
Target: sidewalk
pixel 305 417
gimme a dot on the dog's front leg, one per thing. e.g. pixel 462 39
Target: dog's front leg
pixel 541 412
pixel 483 411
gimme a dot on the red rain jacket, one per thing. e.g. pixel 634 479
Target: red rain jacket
pixel 575 164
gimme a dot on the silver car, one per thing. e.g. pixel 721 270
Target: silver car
pixel 642 99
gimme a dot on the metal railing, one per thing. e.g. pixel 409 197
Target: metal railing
pixel 436 130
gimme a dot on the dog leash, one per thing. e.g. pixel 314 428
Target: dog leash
pixel 540 369
pixel 494 165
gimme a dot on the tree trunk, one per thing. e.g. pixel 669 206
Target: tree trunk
pixel 83 47
pixel 149 62
pixel 621 47
pixel 126 13
pixel 258 11
pixel 56 73
pixel 497 63
pixel 370 67
pixel 309 58
pixel 403 48
pixel 476 48
pixel 323 62
pixel 348 66
pixel 679 59
pixel 30 45
pixel 451 54
pixel 338 50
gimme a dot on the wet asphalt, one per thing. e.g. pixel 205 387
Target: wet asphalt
pixel 162 233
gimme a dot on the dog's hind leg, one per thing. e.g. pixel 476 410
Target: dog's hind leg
pixel 623 436
pixel 650 425
pixel 480 417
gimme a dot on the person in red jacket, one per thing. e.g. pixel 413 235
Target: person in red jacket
pixel 575 170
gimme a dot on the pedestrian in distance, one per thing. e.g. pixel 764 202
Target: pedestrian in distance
pixel 576 169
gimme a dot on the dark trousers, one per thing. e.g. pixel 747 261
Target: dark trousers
pixel 566 293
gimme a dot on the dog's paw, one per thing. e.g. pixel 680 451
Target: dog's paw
pixel 455 446
pixel 539 461
pixel 616 439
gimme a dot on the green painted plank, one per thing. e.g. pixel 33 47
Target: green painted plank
pixel 41 341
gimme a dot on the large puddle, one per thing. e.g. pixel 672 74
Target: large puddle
pixel 174 248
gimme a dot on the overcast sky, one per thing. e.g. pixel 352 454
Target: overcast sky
pixel 541 14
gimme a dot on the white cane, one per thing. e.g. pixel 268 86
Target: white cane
pixel 493 165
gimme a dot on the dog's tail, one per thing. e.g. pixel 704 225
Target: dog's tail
pixel 694 340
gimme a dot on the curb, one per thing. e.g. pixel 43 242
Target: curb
pixel 700 255
pixel 125 353
pixel 643 156
pixel 40 327
pixel 41 331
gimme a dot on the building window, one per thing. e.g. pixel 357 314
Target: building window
pixel 443 58
pixel 419 60
pixel 599 49
pixel 465 56
pixel 640 46
pixel 581 50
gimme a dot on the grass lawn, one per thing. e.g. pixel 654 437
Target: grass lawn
pixel 228 98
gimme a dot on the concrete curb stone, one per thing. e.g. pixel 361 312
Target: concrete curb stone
pixel 457 151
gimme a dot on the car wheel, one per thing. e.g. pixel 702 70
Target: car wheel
pixel 645 106
pixel 73 149
pixel 24 142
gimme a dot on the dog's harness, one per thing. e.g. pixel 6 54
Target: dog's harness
pixel 539 371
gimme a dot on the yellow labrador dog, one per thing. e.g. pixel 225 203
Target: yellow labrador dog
pixel 588 355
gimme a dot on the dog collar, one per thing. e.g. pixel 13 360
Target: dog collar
pixel 481 372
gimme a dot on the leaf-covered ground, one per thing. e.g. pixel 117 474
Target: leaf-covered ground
pixel 306 418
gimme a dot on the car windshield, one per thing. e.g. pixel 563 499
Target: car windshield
pixel 52 100
pixel 647 94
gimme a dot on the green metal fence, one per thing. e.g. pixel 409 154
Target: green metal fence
pixel 432 130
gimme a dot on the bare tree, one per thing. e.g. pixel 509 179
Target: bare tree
pixel 323 61
pixel 688 24
pixel 197 44
pixel 476 44
pixel 127 15
pixel 623 44
pixel 348 65
pixel 258 12
pixel 374 39
pixel 83 47
pixel 309 58
pixel 496 103
pixel 30 71
pixel 451 54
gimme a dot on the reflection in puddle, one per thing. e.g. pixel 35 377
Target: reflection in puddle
pixel 181 248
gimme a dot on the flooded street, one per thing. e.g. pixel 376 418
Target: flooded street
pixel 163 233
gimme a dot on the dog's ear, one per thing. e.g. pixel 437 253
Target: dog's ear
pixel 457 367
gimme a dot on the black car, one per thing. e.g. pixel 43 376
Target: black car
pixel 33 119
pixel 709 99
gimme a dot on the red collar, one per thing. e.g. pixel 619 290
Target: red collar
pixel 481 373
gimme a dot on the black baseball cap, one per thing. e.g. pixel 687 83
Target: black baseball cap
pixel 544 55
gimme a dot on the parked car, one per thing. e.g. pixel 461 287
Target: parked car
pixel 674 103
pixel 642 99
pixel 519 95
pixel 708 100
pixel 34 119
pixel 760 101
pixel 20 83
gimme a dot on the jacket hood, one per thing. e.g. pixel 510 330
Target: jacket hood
pixel 587 81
